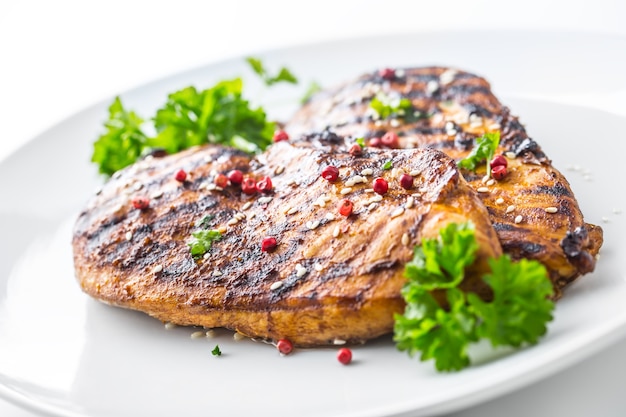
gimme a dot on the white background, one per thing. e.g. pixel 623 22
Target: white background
pixel 57 57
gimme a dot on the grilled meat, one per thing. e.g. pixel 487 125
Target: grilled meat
pixel 330 277
pixel 533 209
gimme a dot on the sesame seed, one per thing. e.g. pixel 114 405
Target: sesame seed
pixel 238 337
pixel 378 123
pixel 405 239
pixel 490 182
pixel 494 126
pixel 320 202
pixel 367 171
pixel 318 267
pixel 399 73
pixel 240 216
pixel 208 158
pixel 265 200
pixel 355 180
pixel 485 179
pixel 210 333
pixel 336 231
pixel 518 219
pixel 292 210
pixel 397 212
pixel 157 269
pixel 447 76
pixel 169 326
pixel 157 194
pixel 197 335
pixel 210 186
pixel 117 175
pixel 206 255
pixel 223 229
pixel 232 222
pixel 482 189
pixel 510 155
pixel 300 272
pixel 375 199
pixel 129 236
pixel 409 202
pixel 432 86
pixel 510 208
pixel 551 210
pixel 346 190
pixel 276 285
pixel 137 186
pixel 451 132
pixel 218 188
pixel 394 123
pixel 330 216
pixel 500 200
pixel 251 215
pixel 372 206
pixel 246 206
pixel 217 273
pixel 414 173
pixel 339 342
pixel 279 170
pixel 312 224
pixel 368 190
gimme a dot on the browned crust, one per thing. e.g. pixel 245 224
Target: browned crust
pixel 462 107
pixel 352 285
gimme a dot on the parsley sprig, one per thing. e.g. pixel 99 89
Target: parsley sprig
pixel 202 241
pixel 485 149
pixel 518 313
pixel 283 75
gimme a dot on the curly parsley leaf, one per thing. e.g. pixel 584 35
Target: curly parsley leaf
pixel 190 117
pixel 484 149
pixel 284 75
pixel 520 308
pixel 216 115
pixel 216 351
pixel 122 143
pixel 202 241
pixel 518 313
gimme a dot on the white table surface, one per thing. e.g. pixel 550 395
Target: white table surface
pixel 57 57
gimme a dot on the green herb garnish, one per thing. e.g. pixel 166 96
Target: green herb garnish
pixel 314 87
pixel 216 351
pixel 484 149
pixel 360 142
pixel 284 75
pixel 518 313
pixel 190 117
pixel 202 241
pixel 388 165
pixel 385 107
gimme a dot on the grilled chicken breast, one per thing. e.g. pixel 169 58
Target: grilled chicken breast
pixel 329 278
pixel 533 208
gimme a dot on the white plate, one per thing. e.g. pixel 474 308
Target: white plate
pixel 66 354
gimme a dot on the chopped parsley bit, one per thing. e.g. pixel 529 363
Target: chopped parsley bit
pixel 388 165
pixel 517 314
pixel 284 75
pixel 205 222
pixel 314 87
pixel 360 142
pixel 385 107
pixel 203 239
pixel 484 149
pixel 216 351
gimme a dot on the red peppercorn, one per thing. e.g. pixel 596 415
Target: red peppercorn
pixel 280 135
pixel 264 185
pixel 375 143
pixel 248 186
pixel 141 203
pixel 284 346
pixel 390 140
pixel 355 150
pixel 406 181
pixel 221 181
pixel 498 160
pixel 235 176
pixel 345 208
pixel 344 356
pixel 380 186
pixel 387 73
pixel 330 173
pixel 181 175
pixel 268 244
pixel 498 172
